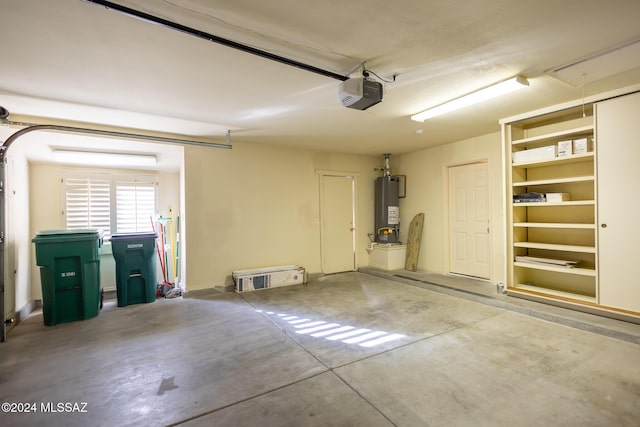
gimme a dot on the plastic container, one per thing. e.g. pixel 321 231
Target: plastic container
pixel 69 262
pixel 135 267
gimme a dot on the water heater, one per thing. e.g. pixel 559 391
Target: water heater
pixel 387 210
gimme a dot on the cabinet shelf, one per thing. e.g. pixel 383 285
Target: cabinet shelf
pixel 554 225
pixel 565 203
pixel 537 290
pixel 556 269
pixel 555 247
pixel 575 158
pixel 582 130
pixel 555 181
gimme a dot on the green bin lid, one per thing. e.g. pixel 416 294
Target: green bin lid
pixel 67 235
pixel 83 231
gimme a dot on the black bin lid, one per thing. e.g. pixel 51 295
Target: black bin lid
pixel 134 236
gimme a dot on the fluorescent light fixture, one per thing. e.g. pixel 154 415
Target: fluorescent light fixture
pixel 106 159
pixel 497 89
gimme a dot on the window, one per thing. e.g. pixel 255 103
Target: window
pixel 112 202
pixel 135 205
pixel 88 202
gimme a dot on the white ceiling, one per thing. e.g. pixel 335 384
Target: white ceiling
pixel 74 60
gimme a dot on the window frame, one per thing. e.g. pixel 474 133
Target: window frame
pixel 114 179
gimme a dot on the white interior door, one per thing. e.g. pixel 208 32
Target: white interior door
pixel 337 220
pixel 618 155
pixel 469 229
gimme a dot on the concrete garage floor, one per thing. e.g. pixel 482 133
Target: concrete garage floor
pixel 350 349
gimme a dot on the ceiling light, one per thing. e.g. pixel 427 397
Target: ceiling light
pixel 105 159
pixel 497 89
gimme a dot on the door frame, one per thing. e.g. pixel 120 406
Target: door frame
pixel 446 214
pixel 354 197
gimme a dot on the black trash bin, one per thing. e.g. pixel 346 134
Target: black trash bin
pixel 69 262
pixel 136 280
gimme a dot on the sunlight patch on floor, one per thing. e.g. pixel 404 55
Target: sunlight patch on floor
pixel 332 331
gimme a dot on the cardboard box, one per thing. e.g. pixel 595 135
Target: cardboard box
pixel 557 197
pixel 542 153
pixel 565 148
pixel 582 146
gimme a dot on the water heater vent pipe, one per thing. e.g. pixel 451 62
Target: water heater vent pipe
pixel 387 167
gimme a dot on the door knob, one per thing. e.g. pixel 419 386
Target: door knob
pixel 603 225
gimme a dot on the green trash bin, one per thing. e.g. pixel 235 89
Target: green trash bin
pixel 135 267
pixel 69 262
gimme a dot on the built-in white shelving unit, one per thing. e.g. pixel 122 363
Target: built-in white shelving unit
pixel 577 248
pixel 563 230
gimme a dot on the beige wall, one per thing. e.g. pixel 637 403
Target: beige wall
pixel 256 206
pixel 248 207
pixel 426 172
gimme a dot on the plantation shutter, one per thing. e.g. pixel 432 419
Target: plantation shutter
pixel 88 203
pixel 135 205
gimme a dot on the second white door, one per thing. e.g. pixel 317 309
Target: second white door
pixel 469 229
pixel 337 223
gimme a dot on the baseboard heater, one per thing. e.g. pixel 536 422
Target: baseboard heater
pixel 271 277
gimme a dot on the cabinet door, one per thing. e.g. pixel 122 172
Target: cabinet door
pixel 618 160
